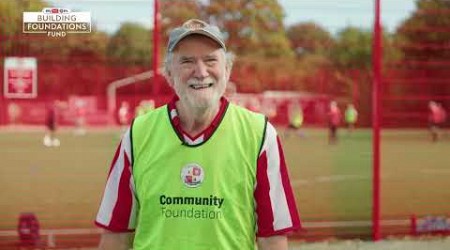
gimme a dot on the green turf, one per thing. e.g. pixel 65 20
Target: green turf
pixel 334 179
pixel 63 186
pixel 414 174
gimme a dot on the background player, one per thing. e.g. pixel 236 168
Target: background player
pixel 351 116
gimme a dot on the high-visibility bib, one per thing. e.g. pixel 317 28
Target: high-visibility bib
pixel 351 115
pixel 196 197
pixel 297 120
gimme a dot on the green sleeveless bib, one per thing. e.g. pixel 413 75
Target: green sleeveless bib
pixel 196 197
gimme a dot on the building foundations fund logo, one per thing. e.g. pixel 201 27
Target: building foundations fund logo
pixel 56 22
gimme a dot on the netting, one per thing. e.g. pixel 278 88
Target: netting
pixel 415 93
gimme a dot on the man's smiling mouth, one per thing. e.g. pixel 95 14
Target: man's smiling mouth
pixel 200 86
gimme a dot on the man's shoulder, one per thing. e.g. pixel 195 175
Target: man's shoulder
pixel 151 114
pixel 246 111
pixel 254 120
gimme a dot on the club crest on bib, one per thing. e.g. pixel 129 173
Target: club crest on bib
pixel 192 175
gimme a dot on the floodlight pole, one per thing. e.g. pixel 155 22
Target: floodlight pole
pixel 376 111
pixel 156 44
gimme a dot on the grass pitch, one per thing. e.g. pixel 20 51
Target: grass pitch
pixel 63 185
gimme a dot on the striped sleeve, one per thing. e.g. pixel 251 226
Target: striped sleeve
pixel 275 204
pixel 118 208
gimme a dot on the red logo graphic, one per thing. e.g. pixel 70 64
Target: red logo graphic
pixel 196 171
pixel 192 175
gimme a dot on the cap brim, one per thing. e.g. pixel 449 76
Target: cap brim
pixel 198 32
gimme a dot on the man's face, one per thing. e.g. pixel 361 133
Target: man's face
pixel 197 72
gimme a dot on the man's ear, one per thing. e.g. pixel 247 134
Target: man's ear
pixel 228 72
pixel 169 78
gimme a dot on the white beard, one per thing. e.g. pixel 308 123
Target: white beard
pixel 203 98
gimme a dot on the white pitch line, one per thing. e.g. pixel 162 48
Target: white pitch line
pixel 435 171
pixel 361 223
pixel 329 178
pixel 336 178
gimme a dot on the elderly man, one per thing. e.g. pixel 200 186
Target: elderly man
pixel 199 172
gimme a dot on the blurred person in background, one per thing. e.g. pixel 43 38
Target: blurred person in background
pixel 199 172
pixel 269 108
pixel 295 116
pixel 351 116
pixel 436 119
pixel 124 115
pixel 334 120
pixel 144 107
pixel 254 104
pixel 80 117
pixel 14 112
pixel 51 124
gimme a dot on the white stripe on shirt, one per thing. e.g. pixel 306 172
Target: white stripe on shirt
pixel 281 215
pixel 111 194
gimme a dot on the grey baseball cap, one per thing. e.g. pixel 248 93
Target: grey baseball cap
pixel 195 26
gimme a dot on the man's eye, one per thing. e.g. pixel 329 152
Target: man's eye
pixel 211 60
pixel 186 60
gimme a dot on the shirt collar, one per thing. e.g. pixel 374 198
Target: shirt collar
pixel 205 134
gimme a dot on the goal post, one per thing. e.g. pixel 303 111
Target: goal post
pixel 376 111
pixel 111 92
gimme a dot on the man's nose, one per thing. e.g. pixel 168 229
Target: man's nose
pixel 201 70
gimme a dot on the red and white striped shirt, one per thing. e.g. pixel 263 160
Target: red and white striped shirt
pixel 276 210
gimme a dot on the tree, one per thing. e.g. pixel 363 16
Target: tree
pixel 352 59
pixel 11 20
pixel 427 28
pixel 252 74
pixel 56 56
pixel 314 69
pixel 92 46
pixel 424 41
pixel 16 43
pixel 309 37
pixel 252 27
pixel 132 43
pixel 11 14
pixel 255 33
pixel 176 12
pixel 353 48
